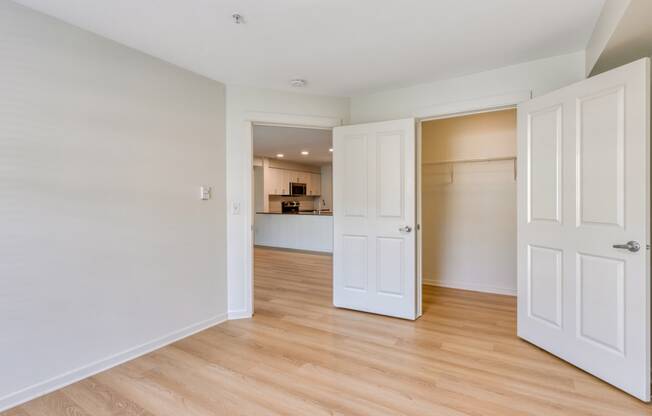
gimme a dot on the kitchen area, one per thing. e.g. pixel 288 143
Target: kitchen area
pixel 292 171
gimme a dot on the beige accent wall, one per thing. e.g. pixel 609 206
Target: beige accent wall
pixel 482 135
pixel 469 224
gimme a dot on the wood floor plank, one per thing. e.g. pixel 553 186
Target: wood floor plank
pixel 57 403
pixel 301 356
pixel 104 401
pixel 18 411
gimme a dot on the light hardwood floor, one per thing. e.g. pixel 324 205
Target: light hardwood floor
pixel 301 356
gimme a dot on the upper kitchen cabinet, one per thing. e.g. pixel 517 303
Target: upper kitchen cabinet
pixel 299 177
pixel 285 177
pixel 314 185
pixel 277 181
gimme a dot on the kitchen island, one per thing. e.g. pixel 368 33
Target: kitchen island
pixel 311 231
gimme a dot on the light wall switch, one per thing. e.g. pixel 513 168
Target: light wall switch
pixel 205 193
pixel 235 208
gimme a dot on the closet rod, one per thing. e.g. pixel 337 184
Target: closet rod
pixel 450 162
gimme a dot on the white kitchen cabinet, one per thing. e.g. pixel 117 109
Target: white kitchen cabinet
pixel 273 182
pixel 301 177
pixel 269 182
pixel 279 181
pixel 284 181
pixel 314 186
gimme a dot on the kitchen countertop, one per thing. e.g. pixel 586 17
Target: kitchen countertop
pixel 322 213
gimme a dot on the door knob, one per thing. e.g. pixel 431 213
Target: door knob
pixel 405 229
pixel 632 246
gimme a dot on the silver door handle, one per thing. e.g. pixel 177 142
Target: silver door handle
pixel 405 229
pixel 632 246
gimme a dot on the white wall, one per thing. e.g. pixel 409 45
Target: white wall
pixel 244 104
pixel 106 250
pixel 539 76
pixel 472 227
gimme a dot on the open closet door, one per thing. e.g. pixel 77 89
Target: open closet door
pixel 584 225
pixel 374 202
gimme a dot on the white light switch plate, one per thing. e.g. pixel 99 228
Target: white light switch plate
pixel 205 193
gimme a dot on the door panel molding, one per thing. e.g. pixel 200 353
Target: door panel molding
pixel 544 175
pixel 599 166
pixel 595 310
pixel 547 308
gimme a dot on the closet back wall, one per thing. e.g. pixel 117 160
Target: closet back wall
pixel 469 209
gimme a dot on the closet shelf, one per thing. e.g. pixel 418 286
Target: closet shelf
pixel 451 163
pixel 454 161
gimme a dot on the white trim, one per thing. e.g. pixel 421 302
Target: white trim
pixel 242 314
pixel 470 286
pixel 480 105
pixel 250 119
pixel 73 376
pixel 419 218
pixel 285 125
pixel 295 120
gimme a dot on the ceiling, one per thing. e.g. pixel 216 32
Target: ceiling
pixel 341 47
pixel 290 141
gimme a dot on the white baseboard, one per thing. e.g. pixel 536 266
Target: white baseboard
pixel 60 381
pixel 241 314
pixel 470 286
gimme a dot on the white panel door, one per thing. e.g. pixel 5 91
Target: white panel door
pixel 583 295
pixel 374 201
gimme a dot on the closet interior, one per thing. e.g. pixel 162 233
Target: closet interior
pixel 468 174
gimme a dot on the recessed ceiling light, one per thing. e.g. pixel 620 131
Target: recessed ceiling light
pixel 305 152
pixel 280 155
pixel 330 150
pixel 298 83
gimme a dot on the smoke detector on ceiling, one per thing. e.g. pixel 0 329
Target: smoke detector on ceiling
pixel 298 83
pixel 237 18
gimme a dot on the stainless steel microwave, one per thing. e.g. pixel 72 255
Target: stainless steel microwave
pixel 298 189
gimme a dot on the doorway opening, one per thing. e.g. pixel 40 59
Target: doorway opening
pixel 468 203
pixel 292 216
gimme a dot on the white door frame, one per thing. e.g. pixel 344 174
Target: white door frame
pixel 457 109
pixel 274 119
